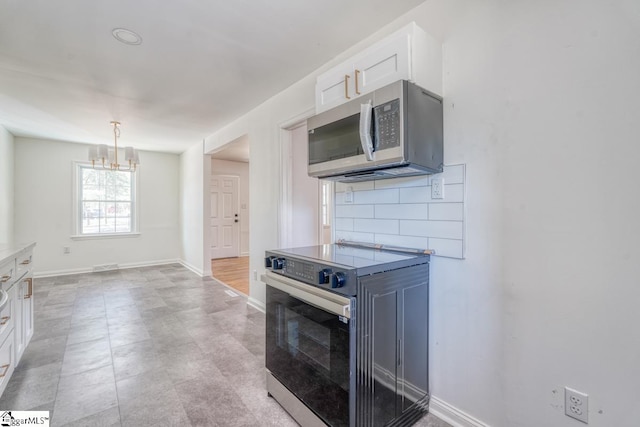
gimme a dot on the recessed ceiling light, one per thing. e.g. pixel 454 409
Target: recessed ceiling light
pixel 126 36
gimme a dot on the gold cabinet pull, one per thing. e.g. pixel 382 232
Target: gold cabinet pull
pixel 26 262
pixel 357 74
pixel 4 320
pixel 30 291
pixel 346 86
pixel 6 368
pixel 5 279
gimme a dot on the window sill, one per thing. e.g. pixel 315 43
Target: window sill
pixel 105 236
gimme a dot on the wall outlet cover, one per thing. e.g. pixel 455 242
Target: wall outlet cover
pixel 576 405
pixel 437 188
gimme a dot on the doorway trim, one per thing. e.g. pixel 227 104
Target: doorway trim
pixel 285 205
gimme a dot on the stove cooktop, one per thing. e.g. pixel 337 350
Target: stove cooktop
pixel 347 256
pixel 337 267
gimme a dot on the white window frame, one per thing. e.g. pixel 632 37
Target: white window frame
pixel 77 208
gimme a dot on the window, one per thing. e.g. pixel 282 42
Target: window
pixel 106 201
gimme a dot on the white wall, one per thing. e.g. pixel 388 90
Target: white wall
pixel 6 186
pixel 44 206
pixel 541 106
pixel 241 170
pixel 195 170
pixel 305 197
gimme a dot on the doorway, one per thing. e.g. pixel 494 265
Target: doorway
pixel 306 203
pixel 229 222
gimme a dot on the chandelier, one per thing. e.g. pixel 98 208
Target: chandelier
pixel 109 157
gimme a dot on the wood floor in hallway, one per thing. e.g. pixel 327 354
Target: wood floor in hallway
pixel 233 272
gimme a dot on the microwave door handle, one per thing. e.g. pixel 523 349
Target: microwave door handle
pixel 366 113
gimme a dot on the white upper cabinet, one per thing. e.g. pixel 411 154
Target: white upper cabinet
pixel 408 54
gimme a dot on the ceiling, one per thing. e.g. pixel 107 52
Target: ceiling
pixel 201 64
pixel 235 151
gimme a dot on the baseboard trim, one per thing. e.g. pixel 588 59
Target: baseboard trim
pixel 69 271
pixel 194 269
pixel 453 415
pixel 258 305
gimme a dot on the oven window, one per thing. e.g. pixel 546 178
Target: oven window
pixel 308 351
pixel 306 339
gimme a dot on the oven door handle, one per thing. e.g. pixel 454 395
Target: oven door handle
pixel 325 300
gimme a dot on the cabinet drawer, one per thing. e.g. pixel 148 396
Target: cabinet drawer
pixel 8 314
pixel 8 274
pixel 7 361
pixel 23 263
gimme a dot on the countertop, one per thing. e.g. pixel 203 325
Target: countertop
pixel 10 250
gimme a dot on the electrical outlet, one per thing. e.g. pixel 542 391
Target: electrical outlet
pixel 255 274
pixel 66 250
pixel 576 405
pixel 348 195
pixel 437 188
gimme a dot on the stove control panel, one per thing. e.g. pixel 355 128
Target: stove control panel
pixel 341 280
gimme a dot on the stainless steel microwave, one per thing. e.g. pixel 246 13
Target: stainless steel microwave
pixel 393 131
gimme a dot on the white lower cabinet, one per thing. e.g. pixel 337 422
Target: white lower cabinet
pixel 7 360
pixel 16 317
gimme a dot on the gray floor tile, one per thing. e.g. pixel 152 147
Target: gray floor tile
pixel 108 418
pixel 134 359
pixel 85 394
pixel 152 409
pixel 30 388
pixel 86 356
pixel 80 334
pixel 43 352
pixel 214 403
pixel 128 333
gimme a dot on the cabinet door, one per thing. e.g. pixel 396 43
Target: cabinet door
pixel 335 87
pixel 384 64
pixel 8 314
pixel 413 374
pixel 20 344
pixel 393 335
pixel 24 331
pixel 7 361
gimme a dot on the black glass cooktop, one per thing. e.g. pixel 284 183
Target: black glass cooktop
pixel 348 256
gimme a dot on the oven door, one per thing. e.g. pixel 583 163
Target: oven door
pixel 309 341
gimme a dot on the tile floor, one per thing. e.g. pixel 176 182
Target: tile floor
pixel 154 346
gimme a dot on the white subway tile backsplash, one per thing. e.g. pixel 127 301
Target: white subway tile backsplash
pixel 443 211
pixel 355 186
pixel 353 236
pixel 402 241
pixel 353 211
pixel 376 196
pixel 415 195
pixel 453 193
pixel 410 181
pixel 447 247
pixel 344 224
pixel 442 229
pixel 404 211
pixel 389 226
pixel 400 212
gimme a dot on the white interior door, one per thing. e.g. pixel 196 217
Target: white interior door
pixel 225 228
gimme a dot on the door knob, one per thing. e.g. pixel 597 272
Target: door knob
pixel 235 220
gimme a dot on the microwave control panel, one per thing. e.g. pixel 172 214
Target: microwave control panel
pixel 387 125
